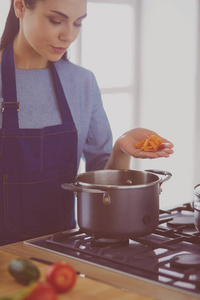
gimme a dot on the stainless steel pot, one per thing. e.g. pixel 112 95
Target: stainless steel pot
pixel 196 206
pixel 118 204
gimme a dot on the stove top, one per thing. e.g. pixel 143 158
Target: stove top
pixel 169 256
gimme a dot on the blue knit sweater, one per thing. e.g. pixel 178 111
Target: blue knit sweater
pixel 39 108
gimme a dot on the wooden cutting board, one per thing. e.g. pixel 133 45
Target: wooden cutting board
pixel 85 288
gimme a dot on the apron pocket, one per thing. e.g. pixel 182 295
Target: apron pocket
pixel 35 204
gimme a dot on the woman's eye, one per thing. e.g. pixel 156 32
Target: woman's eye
pixel 55 22
pixel 77 24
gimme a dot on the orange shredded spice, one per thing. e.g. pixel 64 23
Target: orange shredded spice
pixel 151 144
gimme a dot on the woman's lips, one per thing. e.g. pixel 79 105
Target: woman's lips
pixel 59 50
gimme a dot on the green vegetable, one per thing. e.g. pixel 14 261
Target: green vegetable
pixel 20 295
pixel 23 270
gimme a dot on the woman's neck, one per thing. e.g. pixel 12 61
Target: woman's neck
pixel 25 57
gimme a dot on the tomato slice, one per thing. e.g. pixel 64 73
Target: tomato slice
pixel 42 291
pixel 61 276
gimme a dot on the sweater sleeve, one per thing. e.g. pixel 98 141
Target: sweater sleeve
pixel 98 146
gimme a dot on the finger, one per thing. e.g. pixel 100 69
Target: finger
pixel 167 144
pixel 165 153
pixel 168 150
pixel 165 140
pixel 145 154
pixel 158 154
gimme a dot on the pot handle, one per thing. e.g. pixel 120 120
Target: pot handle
pixel 75 189
pixel 164 173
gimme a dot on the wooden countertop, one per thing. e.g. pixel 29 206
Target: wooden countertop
pixel 85 288
pixel 106 284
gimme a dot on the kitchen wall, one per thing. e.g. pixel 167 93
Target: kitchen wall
pixel 5 4
pixel 168 85
pixel 145 56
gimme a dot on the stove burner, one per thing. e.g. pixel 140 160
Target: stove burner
pixel 186 260
pixel 169 256
pixel 186 220
pixel 109 242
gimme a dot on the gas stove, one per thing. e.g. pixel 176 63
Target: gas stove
pixel 169 256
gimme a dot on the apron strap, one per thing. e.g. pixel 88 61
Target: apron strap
pixel 10 106
pixel 64 107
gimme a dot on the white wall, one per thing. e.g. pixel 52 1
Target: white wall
pixel 5 5
pixel 162 94
pixel 168 88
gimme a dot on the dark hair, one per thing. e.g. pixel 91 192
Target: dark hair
pixel 12 24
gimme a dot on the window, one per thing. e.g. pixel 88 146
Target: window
pixel 144 56
pixel 168 89
pixel 108 43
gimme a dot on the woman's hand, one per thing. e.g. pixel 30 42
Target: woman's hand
pixel 128 141
pixel 124 148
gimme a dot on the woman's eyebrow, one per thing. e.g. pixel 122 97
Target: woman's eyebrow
pixel 66 16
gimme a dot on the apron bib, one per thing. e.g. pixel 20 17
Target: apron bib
pixel 33 165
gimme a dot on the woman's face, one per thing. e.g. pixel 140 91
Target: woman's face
pixel 51 26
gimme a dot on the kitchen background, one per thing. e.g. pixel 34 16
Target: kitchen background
pixel 145 56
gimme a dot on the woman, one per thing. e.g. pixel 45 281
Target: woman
pixel 52 115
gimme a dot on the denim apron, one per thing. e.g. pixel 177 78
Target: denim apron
pixel 33 165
